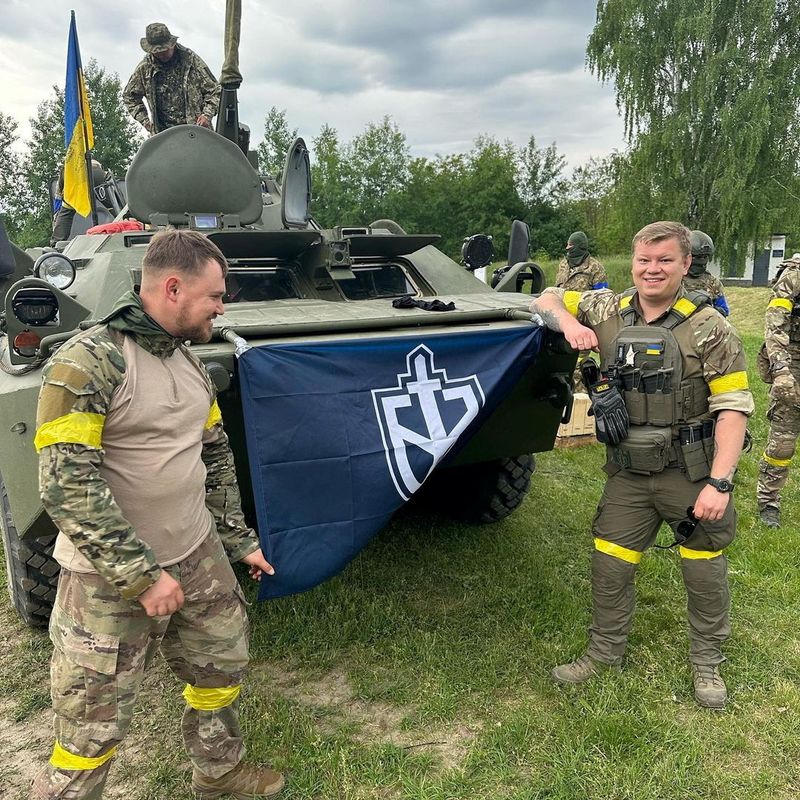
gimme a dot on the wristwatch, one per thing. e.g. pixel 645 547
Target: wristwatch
pixel 722 484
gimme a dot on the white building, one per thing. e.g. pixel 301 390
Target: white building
pixel 759 269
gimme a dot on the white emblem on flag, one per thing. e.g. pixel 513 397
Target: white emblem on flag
pixel 442 407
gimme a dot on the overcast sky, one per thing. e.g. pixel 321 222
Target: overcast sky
pixel 444 70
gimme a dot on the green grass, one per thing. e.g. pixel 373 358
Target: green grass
pixel 422 672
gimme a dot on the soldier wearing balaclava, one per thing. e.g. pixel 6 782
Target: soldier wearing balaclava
pixel 578 271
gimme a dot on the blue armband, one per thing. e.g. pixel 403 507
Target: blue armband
pixel 601 285
pixel 722 305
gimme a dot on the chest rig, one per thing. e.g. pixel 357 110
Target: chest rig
pixel 661 379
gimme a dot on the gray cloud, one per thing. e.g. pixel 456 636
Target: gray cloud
pixel 445 72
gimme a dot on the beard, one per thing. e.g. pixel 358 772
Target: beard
pixel 198 333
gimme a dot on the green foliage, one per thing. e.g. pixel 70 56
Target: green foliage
pixel 275 145
pixel 330 189
pixel 375 170
pixel 710 91
pixel 10 172
pixel 116 139
pixel 593 198
pixel 482 191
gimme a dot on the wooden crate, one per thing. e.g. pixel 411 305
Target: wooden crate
pixel 580 423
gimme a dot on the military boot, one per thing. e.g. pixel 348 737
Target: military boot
pixel 244 782
pixel 578 671
pixel 770 516
pixel 709 688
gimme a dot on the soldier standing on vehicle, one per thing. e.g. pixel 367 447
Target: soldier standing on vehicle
pixel 136 471
pixel 671 402
pixel 779 363
pixel 578 271
pixel 178 86
pixel 699 278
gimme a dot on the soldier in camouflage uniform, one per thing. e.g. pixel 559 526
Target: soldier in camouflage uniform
pixel 137 473
pixel 677 405
pixel 578 271
pixel 178 86
pixel 699 278
pixel 780 361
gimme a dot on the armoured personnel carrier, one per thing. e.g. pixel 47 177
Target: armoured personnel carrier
pixel 289 280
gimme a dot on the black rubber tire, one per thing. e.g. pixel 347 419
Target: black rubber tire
pixel 485 492
pixel 30 567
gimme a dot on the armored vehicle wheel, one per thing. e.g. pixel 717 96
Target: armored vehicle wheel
pixel 485 492
pixel 32 572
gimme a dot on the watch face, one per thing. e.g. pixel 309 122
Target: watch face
pixel 721 484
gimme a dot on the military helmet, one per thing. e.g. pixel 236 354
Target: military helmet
pixel 702 252
pixel 702 245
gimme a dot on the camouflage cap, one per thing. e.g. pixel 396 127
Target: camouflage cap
pixel 157 38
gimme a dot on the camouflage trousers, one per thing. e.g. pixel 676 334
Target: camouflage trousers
pixel 626 524
pixel 773 469
pixel 102 645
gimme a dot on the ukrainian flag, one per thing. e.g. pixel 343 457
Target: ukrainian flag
pixel 78 133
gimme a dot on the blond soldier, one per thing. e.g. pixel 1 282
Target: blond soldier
pixel 672 405
pixel 136 472
pixel 781 350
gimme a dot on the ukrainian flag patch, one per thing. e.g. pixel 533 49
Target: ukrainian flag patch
pixel 654 349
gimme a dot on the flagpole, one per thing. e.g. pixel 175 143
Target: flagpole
pixel 88 158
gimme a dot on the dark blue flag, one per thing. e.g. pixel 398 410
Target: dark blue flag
pixel 340 434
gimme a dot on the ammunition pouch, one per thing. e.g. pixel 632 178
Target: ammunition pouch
pixel 763 366
pixel 696 458
pixel 646 450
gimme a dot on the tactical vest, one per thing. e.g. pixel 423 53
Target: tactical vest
pixel 662 383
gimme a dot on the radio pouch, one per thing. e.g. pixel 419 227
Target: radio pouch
pixel 694 457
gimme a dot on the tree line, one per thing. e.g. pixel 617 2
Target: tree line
pixel 710 106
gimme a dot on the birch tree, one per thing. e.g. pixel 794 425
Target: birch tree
pixel 709 92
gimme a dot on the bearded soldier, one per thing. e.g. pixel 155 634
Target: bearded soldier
pixel 578 271
pixel 671 402
pixel 780 363
pixel 137 473
pixel 699 278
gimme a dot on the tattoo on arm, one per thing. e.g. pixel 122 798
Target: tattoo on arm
pixel 549 318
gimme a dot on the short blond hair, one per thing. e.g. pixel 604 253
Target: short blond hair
pixel 658 231
pixel 181 250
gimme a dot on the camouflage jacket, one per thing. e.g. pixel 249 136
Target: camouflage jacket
pixel 717 345
pixel 589 274
pixel 712 286
pixel 781 326
pixel 200 89
pixel 78 384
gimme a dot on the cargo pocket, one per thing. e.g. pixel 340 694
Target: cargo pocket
pixel 763 365
pixel 83 672
pixel 714 536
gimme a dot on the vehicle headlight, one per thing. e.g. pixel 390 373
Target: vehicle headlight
pixel 56 269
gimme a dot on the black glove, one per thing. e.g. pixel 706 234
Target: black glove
pixel 610 415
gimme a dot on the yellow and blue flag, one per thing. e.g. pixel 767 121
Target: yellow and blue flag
pixel 78 133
